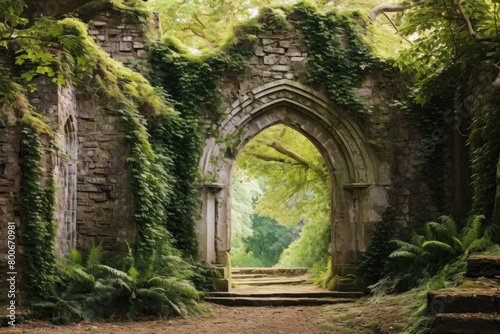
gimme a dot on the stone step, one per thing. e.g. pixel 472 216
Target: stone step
pixel 247 276
pixel 466 323
pixel 271 271
pixel 273 281
pixel 275 301
pixel 483 266
pixel 307 294
pixel 464 301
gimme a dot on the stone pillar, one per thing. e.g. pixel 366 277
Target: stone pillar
pixel 66 179
pixel 206 226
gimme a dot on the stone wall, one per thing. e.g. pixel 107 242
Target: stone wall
pixel 105 202
pixel 392 134
pixel 10 193
pixel 122 36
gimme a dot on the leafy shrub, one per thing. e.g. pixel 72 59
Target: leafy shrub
pixel 91 290
pixel 441 243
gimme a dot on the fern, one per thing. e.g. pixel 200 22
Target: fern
pixel 449 224
pixel 439 247
pixel 402 254
pixel 472 231
pixel 442 243
pixel 94 256
pixel 479 245
pixel 408 247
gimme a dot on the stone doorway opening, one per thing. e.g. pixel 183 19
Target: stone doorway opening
pixel 280 209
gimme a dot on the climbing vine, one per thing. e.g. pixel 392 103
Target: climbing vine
pixel 193 85
pixel 39 228
pixel 338 58
pixel 63 51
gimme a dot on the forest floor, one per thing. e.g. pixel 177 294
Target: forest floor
pixel 365 316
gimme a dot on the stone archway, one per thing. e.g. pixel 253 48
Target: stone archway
pixel 357 199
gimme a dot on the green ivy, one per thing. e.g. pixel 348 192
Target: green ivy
pixel 80 61
pixel 38 227
pixel 375 264
pixel 193 85
pixel 338 58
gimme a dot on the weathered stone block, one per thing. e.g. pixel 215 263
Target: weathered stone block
pixel 271 60
pixel 466 323
pixel 268 41
pixel 284 44
pixel 364 92
pixel 113 32
pixel 280 68
pixel 483 266
pixel 274 50
pixel 297 58
pixel 259 52
pixel 98 23
pixel 138 45
pixel 99 197
pixel 125 46
pixel 463 301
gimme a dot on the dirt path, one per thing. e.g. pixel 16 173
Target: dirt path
pixel 227 320
pixel 361 317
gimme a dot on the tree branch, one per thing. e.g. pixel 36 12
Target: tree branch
pixel 299 159
pixel 376 11
pixel 470 28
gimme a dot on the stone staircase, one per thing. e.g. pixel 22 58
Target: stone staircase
pixel 474 310
pixel 270 276
pixel 277 287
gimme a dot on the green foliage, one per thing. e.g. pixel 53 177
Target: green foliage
pixel 193 85
pixel 295 191
pixel 441 243
pixel 448 60
pixel 89 290
pixel 38 228
pixel 484 143
pixel 244 194
pixel 293 173
pixel 311 249
pixel 63 51
pixel 204 25
pixel 338 58
pixel 268 240
pixel 293 177
pixel 375 264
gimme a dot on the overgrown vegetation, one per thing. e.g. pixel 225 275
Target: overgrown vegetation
pixel 451 66
pixel 156 278
pixel 87 289
pixel 339 59
pixel 39 228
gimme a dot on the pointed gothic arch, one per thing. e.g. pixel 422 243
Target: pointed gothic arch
pixel 357 199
